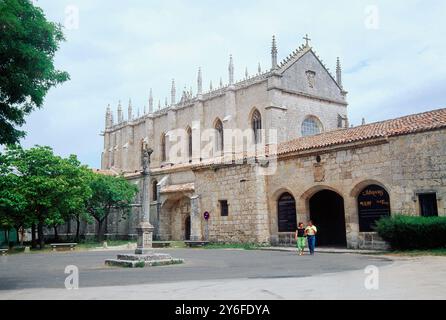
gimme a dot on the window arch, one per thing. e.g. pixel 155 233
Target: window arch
pixel 155 190
pixel 373 204
pixel 286 209
pixel 189 142
pixel 311 126
pixel 219 143
pixel 163 147
pixel 256 125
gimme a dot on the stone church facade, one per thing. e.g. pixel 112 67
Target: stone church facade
pixel 312 165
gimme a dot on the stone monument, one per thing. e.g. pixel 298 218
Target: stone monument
pixel 144 255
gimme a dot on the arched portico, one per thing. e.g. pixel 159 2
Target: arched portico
pixel 324 205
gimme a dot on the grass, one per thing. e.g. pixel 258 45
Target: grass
pixel 419 253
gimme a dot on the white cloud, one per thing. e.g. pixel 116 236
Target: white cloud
pixel 122 49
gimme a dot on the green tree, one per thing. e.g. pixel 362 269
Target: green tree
pixel 28 46
pixel 78 191
pixel 12 202
pixel 54 189
pixel 109 193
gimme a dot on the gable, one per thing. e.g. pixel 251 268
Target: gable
pixel 306 74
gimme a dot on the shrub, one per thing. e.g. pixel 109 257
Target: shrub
pixel 412 233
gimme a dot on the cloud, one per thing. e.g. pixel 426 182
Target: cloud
pixel 122 49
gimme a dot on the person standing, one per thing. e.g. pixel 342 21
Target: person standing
pixel 300 238
pixel 311 232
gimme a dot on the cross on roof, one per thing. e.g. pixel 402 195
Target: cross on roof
pixel 307 40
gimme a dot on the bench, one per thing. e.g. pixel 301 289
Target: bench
pixel 161 244
pixel 3 252
pixel 194 244
pixel 55 246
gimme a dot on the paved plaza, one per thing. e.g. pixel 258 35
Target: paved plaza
pixel 223 274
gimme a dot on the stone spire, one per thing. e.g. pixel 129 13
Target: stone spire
pixel 259 69
pixel 199 82
pixel 173 93
pixel 145 110
pixel 130 111
pixel 151 101
pixel 274 52
pixel 211 87
pixel 120 115
pixel 166 103
pixel 159 104
pixel 363 121
pixel 231 70
pixel 339 73
pixel 221 82
pixel 108 117
pixel 246 73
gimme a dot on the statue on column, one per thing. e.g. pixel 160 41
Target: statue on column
pixel 146 154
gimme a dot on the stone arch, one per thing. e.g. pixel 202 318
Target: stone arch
pixel 286 212
pixel 189 142
pixel 219 141
pixel 372 203
pixel 306 196
pixel 327 211
pixel 361 185
pixel 256 124
pixel 311 125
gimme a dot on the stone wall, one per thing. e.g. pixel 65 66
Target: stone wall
pixel 244 191
pixel 404 166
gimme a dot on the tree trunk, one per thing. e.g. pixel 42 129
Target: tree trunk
pixel 22 235
pixel 56 234
pixel 77 229
pixel 7 238
pixel 33 236
pixel 40 235
pixel 100 232
pixel 17 233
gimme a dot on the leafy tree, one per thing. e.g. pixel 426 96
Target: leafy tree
pixel 54 189
pixel 109 193
pixel 12 202
pixel 78 191
pixel 28 45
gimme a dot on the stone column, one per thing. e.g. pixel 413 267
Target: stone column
pixel 195 219
pixel 145 229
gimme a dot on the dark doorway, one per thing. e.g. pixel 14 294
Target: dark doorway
pixel 373 204
pixel 327 213
pixel 187 229
pixel 428 204
pixel 287 220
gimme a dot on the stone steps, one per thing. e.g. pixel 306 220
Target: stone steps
pixel 142 260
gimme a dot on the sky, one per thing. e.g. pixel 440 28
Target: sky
pixel 392 54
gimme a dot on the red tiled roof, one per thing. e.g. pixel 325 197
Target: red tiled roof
pixel 421 122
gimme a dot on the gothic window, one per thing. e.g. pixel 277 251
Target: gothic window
pixel 189 142
pixel 373 204
pixel 256 123
pixel 163 147
pixel 155 190
pixel 219 141
pixel 311 126
pixel 287 219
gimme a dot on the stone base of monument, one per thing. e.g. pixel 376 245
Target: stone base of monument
pixel 143 260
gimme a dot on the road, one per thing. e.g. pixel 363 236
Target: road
pixel 223 274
